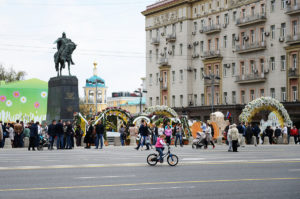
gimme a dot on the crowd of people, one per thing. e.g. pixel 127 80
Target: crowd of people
pixel 242 132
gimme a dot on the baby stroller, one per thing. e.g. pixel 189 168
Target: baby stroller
pixel 199 141
pixel 43 142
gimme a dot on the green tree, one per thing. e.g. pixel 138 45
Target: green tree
pixel 10 75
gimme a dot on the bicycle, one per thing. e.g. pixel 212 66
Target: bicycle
pixel 153 158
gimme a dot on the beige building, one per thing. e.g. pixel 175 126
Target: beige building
pixel 251 47
pixel 95 89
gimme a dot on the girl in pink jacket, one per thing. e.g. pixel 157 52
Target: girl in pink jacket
pixel 160 143
pixel 168 133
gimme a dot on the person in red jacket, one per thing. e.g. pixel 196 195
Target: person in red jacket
pixel 294 132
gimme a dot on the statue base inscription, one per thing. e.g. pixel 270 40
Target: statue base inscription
pixel 63 99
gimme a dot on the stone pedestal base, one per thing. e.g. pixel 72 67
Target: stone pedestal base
pixel 26 142
pixel 63 99
pixel 219 140
pixel 253 140
pixel 292 140
pixel 266 140
pixel 132 140
pixel 280 140
pixel 7 143
pixel 117 141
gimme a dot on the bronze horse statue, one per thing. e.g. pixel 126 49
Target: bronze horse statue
pixel 64 54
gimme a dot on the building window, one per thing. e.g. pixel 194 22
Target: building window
pixel 217 43
pixel 173 50
pixel 226 19
pixel 295 27
pixel 294 93
pixel 165 100
pixel 180 49
pixel 252 11
pixel 173 28
pixel 156 54
pixel 181 100
pixel 150 34
pixel 202 73
pixel 262 65
pixel 150 79
pixel 234 15
pixel 202 99
pixel 157 78
pixel 272 63
pixel 283 62
pixel 283 4
pixel 150 101
pixel 273 31
pixel 262 92
pixel 225 41
pixel 195 100
pixel 181 75
pixel 225 97
pixel 201 46
pixel 202 23
pixel 262 8
pixel 209 44
pixel 272 92
pixel 262 34
pixel 294 61
pixel 173 101
pixel 195 74
pixel 242 97
pixel 233 69
pixel 218 20
pixel 243 13
pixel 252 67
pixel 218 98
pixel 252 95
pixel 157 101
pixel 252 36
pixel 243 69
pixel 233 41
pixel 272 6
pixel 150 55
pixel 195 26
pixel 173 76
pixel 282 30
pixel 180 26
pixel 233 97
pixel 283 94
pixel 224 71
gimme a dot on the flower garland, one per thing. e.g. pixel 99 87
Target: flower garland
pixel 265 103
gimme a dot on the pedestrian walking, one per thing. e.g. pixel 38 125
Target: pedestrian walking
pixel 234 136
pixel 294 133
pixel 88 139
pixel 168 133
pixel 99 134
pixel 33 136
pixel 160 130
pixel 154 135
pixel 208 136
pixel 51 134
pixel 122 135
pixel 229 139
pixel 143 133
pixel 285 134
pixel 277 133
pixel 269 132
pixel 78 135
pixel 178 134
pixel 11 133
pixel 1 135
pixel 69 135
pixel 256 132
pixel 59 130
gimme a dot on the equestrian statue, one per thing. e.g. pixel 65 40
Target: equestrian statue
pixel 65 48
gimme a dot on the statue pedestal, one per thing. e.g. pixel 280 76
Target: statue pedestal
pixel 63 99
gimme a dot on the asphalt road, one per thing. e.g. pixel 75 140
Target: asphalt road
pixel 116 172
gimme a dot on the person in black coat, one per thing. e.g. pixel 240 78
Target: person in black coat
pixel 33 136
pixel 52 134
pixel 269 133
pixel 78 135
pixel 249 134
pixel 69 134
pixel 88 136
pixel 99 134
pixel 256 132
pixel 59 130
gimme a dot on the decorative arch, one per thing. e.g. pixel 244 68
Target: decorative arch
pixel 123 114
pixel 265 103
pixel 161 110
pixel 141 118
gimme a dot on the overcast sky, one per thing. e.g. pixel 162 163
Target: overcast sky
pixel 110 32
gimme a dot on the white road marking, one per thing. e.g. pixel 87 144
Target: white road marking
pixel 293 170
pixel 192 159
pixel 98 177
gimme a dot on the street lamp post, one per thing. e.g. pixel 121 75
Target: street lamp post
pixel 140 92
pixel 212 77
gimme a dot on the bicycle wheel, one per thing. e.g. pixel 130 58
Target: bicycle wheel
pixel 152 159
pixel 172 160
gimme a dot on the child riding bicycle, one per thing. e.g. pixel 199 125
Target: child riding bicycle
pixel 160 143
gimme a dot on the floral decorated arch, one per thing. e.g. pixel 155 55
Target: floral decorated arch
pixel 265 103
pixel 161 110
pixel 115 111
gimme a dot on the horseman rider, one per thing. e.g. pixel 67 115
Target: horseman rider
pixel 61 44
